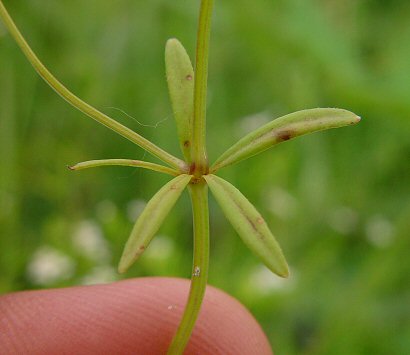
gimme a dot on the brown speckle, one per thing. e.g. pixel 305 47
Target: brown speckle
pixel 260 220
pixel 284 135
pixel 196 180
pixel 187 144
pixel 140 250
pixel 188 77
pixel 192 168
pixel 70 168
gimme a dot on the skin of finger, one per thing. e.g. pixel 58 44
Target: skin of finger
pixel 137 316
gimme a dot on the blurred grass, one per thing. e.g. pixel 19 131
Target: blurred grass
pixel 338 201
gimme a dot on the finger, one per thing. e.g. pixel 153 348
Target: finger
pixel 137 316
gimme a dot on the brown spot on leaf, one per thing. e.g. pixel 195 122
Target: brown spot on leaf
pixel 195 180
pixel 260 220
pixel 284 135
pixel 192 168
pixel 140 251
pixel 70 168
pixel 188 77
pixel 187 144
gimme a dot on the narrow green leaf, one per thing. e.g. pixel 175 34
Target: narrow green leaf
pixel 180 77
pixel 283 129
pixel 249 224
pixel 151 219
pixel 124 162
pixel 81 105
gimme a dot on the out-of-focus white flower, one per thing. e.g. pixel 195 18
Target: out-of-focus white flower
pixel 262 280
pixel 160 248
pixel 281 203
pixel 250 123
pixel 343 220
pixel 134 209
pixel 379 231
pixel 49 265
pixel 100 275
pixel 89 241
pixel 106 210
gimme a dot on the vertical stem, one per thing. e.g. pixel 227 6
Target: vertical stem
pixel 199 190
pixel 200 88
pixel 199 198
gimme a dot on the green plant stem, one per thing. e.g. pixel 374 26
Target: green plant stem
pixel 124 162
pixel 200 88
pixel 83 106
pixel 199 198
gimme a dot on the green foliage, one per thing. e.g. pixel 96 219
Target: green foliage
pixel 338 201
pixel 284 128
pixel 249 224
pixel 151 220
pixel 180 77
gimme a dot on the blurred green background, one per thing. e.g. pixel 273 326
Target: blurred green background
pixel 338 201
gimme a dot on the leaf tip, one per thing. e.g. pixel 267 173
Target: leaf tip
pixel 124 264
pixel 169 42
pixel 280 268
pixel 128 258
pixel 285 272
pixel 351 117
pixel 71 167
pixel 121 270
pixel 172 43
